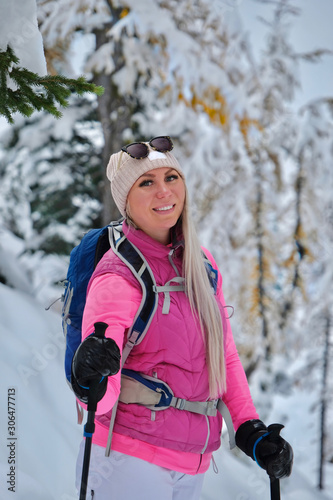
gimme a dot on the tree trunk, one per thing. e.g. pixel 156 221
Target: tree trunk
pixel 324 402
pixel 289 302
pixel 115 114
pixel 261 264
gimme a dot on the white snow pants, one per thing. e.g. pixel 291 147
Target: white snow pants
pixel 122 477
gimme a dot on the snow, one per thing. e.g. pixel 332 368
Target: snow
pixel 46 433
pixel 19 28
pixel 311 31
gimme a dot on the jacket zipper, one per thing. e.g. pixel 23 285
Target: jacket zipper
pixel 170 257
pixel 199 465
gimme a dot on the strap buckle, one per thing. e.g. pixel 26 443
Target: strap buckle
pixel 211 407
pixel 180 404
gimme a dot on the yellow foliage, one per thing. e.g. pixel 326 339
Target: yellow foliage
pixel 300 233
pixel 255 292
pixel 267 275
pixel 211 102
pixel 124 12
pixel 290 261
pixel 244 125
pixel 301 238
pixel 255 299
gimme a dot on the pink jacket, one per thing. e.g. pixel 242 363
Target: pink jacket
pixel 173 350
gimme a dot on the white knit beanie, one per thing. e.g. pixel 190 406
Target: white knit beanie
pixel 123 171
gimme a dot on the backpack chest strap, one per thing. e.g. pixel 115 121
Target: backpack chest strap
pixel 208 408
pixel 167 288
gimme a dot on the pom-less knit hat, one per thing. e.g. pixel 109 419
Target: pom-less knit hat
pixel 123 171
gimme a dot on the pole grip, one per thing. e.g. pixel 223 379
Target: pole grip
pixel 274 430
pixel 100 329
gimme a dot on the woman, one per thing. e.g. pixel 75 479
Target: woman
pixel 189 346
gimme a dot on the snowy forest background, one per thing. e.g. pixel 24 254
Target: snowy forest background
pixel 259 171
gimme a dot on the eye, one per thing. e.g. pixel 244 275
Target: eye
pixel 172 177
pixel 146 182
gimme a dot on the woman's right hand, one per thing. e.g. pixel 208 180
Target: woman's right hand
pixel 95 359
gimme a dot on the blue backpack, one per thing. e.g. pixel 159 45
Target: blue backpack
pixel 83 261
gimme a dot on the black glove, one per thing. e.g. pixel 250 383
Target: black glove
pixel 266 447
pixel 95 359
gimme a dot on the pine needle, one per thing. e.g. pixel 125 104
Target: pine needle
pixel 36 93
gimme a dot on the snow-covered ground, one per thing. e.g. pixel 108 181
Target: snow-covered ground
pixel 47 436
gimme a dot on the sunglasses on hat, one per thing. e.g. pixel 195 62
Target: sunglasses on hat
pixel 140 150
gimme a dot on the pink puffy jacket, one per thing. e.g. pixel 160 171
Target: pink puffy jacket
pixel 172 350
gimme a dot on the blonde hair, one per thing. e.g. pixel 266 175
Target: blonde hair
pixel 201 297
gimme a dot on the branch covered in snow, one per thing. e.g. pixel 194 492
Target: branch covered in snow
pixel 23 91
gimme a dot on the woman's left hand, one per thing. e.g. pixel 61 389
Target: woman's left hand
pixel 265 446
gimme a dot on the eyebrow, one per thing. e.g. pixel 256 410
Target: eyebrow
pixel 147 174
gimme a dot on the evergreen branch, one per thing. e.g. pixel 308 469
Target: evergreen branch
pixel 33 92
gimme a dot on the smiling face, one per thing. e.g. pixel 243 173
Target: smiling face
pixel 156 201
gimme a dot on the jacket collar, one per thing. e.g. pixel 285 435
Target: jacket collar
pixel 150 247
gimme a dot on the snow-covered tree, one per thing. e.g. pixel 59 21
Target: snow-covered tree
pixel 159 76
pixel 50 178
pixel 315 143
pixel 25 86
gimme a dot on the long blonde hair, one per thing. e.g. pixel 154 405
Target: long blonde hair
pixel 202 300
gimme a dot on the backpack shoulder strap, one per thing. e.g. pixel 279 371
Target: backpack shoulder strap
pixel 211 272
pixel 135 261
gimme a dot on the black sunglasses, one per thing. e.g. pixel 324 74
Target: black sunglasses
pixel 140 150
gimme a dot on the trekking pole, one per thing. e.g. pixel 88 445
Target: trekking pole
pixel 275 430
pixel 275 488
pixel 89 428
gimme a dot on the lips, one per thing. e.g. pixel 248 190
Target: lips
pixel 163 209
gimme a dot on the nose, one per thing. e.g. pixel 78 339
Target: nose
pixel 163 190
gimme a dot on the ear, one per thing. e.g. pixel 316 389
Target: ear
pixel 128 217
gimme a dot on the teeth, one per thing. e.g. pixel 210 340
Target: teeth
pixel 164 208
